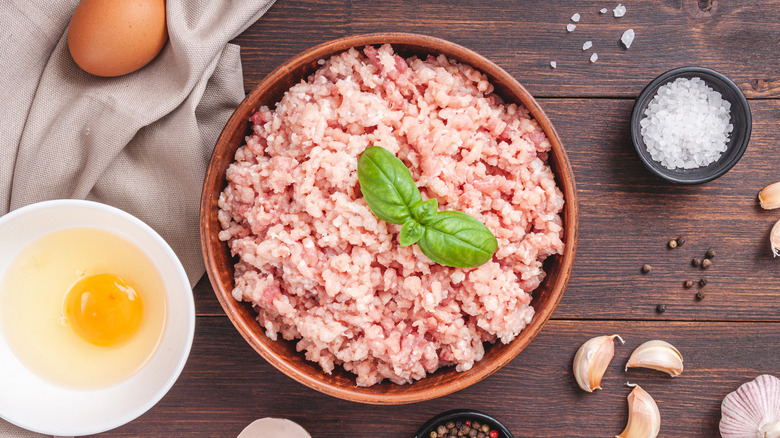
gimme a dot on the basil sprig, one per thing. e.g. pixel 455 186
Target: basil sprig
pixel 450 238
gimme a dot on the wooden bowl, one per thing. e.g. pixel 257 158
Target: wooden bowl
pixel 282 354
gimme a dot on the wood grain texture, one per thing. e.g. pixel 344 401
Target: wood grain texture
pixel 226 385
pixel 626 217
pixel 737 38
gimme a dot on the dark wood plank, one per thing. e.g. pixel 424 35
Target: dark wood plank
pixel 627 215
pixel 735 37
pixel 226 385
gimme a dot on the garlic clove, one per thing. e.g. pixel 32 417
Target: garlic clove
pixel 753 410
pixel 774 239
pixel 657 355
pixel 592 360
pixel 644 419
pixel 769 196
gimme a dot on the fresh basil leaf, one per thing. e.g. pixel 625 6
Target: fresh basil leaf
pixel 410 233
pixel 425 211
pixel 453 238
pixel 387 185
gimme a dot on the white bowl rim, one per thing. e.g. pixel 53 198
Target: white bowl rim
pixel 101 424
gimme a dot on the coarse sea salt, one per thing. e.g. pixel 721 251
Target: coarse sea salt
pixel 603 10
pixel 575 18
pixel 587 45
pixel 594 57
pixel 553 64
pixel 686 125
pixel 627 38
pixel 570 27
pixel 619 11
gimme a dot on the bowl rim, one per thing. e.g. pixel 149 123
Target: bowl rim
pixel 495 73
pixel 638 142
pixel 180 279
pixel 458 413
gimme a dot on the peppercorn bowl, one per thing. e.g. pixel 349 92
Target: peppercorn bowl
pixel 463 420
pixel 738 140
pixel 283 354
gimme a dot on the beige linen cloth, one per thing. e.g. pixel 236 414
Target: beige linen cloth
pixel 140 142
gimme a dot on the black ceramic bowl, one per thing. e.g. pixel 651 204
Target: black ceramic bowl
pixel 738 140
pixel 462 415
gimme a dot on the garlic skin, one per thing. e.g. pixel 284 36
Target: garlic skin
pixel 592 360
pixel 774 239
pixel 753 410
pixel 644 419
pixel 769 196
pixel 657 355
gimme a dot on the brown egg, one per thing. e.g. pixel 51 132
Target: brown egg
pixel 116 37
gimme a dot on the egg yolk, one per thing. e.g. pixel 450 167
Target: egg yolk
pixel 103 310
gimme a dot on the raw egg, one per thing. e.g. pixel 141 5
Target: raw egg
pixel 116 37
pixel 83 308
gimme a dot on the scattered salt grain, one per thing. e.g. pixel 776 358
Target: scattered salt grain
pixel 587 45
pixel 594 57
pixel 686 125
pixel 553 64
pixel 619 11
pixel 570 27
pixel 603 10
pixel 627 38
pixel 575 18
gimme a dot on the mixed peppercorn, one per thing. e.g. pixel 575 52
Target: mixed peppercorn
pixel 704 263
pixel 468 428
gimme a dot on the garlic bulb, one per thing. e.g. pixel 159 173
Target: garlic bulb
pixel 644 419
pixel 657 355
pixel 273 428
pixel 753 410
pixel 592 360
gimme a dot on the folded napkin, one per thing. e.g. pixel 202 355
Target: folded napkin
pixel 140 142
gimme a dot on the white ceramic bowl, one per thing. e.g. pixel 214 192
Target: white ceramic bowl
pixel 35 404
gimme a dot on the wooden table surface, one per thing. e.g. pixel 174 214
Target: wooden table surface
pixel 627 215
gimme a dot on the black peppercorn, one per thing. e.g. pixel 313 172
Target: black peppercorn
pixel 680 241
pixel 441 430
pixel 688 284
pixel 661 308
pixel 473 433
pixel 695 262
pixel 700 295
pixel 706 263
pixel 672 244
pixel 646 268
pixel 450 425
pixel 710 253
pixel 481 435
pixel 702 282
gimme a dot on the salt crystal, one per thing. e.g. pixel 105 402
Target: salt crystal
pixel 619 11
pixel 575 18
pixel 627 38
pixel 603 10
pixel 686 124
pixel 587 45
pixel 570 27
pixel 594 57
pixel 553 64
